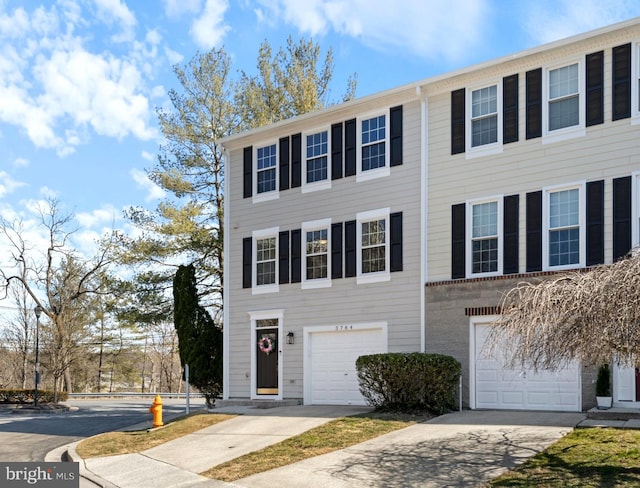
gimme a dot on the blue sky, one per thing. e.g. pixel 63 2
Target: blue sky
pixel 80 79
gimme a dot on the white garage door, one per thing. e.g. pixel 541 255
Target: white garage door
pixel 501 388
pixel 333 355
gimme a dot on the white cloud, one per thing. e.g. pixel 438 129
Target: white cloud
pixel 176 8
pixel 59 92
pixel 114 11
pixel 20 163
pixel 8 184
pixel 153 191
pixel 208 30
pixel 148 156
pixel 105 216
pixel 550 20
pixel 423 27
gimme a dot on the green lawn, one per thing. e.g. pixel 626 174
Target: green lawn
pixel 585 458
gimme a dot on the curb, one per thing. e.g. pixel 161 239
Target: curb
pixel 67 453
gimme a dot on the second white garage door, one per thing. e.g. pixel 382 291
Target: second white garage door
pixel 332 372
pixel 497 387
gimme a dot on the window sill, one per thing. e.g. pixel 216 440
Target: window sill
pixel 563 134
pixel 316 186
pixel 373 278
pixel 262 289
pixel 480 151
pixel 314 284
pixel 265 197
pixel 372 174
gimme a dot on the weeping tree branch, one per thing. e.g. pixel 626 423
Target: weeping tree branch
pixel 591 316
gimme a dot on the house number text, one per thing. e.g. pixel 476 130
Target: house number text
pixel 344 327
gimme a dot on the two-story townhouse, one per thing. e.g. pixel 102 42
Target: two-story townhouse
pixel 533 167
pixel 323 229
pixel 397 221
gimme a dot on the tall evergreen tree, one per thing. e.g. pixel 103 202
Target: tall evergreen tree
pixel 200 340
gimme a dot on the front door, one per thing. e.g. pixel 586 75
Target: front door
pixel 267 361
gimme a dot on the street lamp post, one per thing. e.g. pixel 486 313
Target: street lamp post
pixel 37 311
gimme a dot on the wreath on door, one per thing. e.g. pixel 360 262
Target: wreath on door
pixel 265 344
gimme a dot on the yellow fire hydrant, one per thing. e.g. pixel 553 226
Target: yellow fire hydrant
pixel 156 410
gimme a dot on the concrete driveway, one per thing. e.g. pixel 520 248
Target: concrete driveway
pixel 461 449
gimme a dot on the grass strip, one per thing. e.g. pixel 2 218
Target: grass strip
pixel 336 434
pixel 114 443
pixel 585 458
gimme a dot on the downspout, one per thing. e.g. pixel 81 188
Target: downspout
pixel 424 175
pixel 227 277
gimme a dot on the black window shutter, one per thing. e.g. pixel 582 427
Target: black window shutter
pixel 336 250
pixel 296 257
pixel 350 147
pixel 248 171
pixel 621 82
pixel 458 265
pixel 534 103
pixel 595 88
pixel 395 132
pixel 336 151
pixel 283 257
pixel 534 231
pixel 511 218
pixel 296 160
pixel 247 264
pixel 284 163
pixel 595 222
pixel 621 217
pixel 510 109
pixel 395 231
pixel 350 248
pixel 457 121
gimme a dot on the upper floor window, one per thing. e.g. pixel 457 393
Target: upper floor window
pixel 317 151
pixel 484 237
pixel 316 254
pixel 316 161
pixel 564 219
pixel 266 261
pixel 374 143
pixel 564 97
pixel 484 116
pixel 264 274
pixel 373 244
pixel 564 102
pixel 266 163
pixel 373 155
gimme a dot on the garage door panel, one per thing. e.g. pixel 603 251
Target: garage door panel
pixel 334 379
pixel 522 389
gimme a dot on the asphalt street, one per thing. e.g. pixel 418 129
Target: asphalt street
pixel 28 437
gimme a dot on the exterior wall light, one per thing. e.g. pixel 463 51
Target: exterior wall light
pixel 290 338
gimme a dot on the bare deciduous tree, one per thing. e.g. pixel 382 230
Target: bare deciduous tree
pixel 592 316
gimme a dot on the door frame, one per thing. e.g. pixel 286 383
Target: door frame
pixel 484 320
pixel 262 315
pixel 615 374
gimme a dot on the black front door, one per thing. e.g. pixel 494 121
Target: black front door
pixel 267 362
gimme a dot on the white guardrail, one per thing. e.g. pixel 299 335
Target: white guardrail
pixel 132 394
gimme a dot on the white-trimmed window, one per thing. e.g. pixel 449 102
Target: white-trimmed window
pixel 266 167
pixel 484 224
pixel 316 161
pixel 563 110
pixel 373 153
pixel 484 116
pixel 265 259
pixel 317 255
pixel 564 227
pixel 373 246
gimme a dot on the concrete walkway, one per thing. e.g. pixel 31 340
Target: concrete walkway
pixel 459 449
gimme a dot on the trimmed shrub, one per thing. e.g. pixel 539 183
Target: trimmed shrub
pixel 26 396
pixel 409 381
